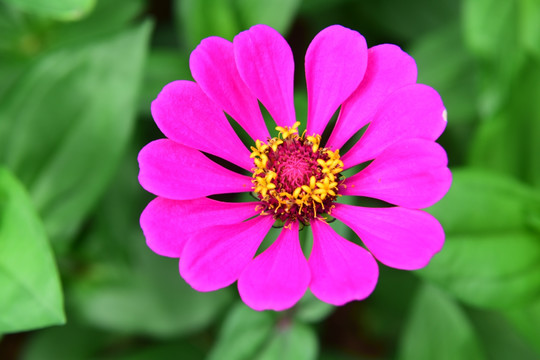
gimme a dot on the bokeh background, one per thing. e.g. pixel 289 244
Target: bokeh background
pixel 76 278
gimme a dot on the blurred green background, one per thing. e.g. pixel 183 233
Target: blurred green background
pixel 76 278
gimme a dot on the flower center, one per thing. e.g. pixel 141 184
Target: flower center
pixel 293 177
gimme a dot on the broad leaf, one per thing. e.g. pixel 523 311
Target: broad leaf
pixel 31 295
pixel 507 142
pixel 438 329
pixel 248 334
pixel 500 339
pixel 58 9
pixel 491 257
pixel 124 274
pixel 65 144
pixel 527 321
pixel 243 334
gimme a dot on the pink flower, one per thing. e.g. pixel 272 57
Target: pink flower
pixel 296 178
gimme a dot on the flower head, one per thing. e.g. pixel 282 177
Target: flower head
pixel 296 178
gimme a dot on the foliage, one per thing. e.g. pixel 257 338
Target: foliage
pixel 76 81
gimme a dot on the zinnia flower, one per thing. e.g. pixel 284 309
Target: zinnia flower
pixel 296 178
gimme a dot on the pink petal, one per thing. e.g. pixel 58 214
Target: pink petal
pixel 335 64
pixel 398 237
pixel 341 271
pixel 215 257
pixel 412 173
pixel 278 277
pixel 265 63
pixel 414 111
pixel 388 69
pixel 178 172
pixel 184 113
pixel 168 224
pixel 214 68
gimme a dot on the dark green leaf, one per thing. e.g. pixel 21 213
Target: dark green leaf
pixel 445 64
pixel 31 292
pixel 58 9
pixel 68 342
pixel 66 143
pixel 500 339
pixel 146 290
pixel 438 329
pixel 149 298
pixel 491 257
pixel 527 321
pixel 163 66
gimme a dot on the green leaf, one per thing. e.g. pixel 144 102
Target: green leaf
pixel 278 14
pixel 150 297
pixel 122 272
pixel 291 340
pixel 507 142
pixel 452 73
pixel 438 329
pixel 58 9
pixel 65 144
pixel 71 341
pixel 248 334
pixel 530 25
pixel 491 29
pixel 243 334
pixel 311 310
pixel 527 321
pixel 199 19
pixel 163 66
pixel 500 340
pixel 491 257
pixel 31 292
pixel 105 19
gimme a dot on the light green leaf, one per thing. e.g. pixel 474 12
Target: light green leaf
pixel 491 257
pixel 491 29
pixel 291 340
pixel 311 310
pixel 507 142
pixel 278 14
pixel 58 9
pixel 530 25
pixel 263 335
pixel 31 292
pixel 243 334
pixel 105 19
pixel 489 24
pixel 438 329
pixel 65 144
pixel 199 19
